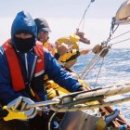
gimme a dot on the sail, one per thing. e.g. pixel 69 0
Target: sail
pixel 123 13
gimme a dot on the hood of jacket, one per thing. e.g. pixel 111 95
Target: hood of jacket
pixel 23 23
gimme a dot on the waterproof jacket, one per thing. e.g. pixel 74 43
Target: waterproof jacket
pixel 23 22
pixel 52 68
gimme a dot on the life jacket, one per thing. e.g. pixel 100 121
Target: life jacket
pixel 14 65
pixel 72 41
pixel 68 56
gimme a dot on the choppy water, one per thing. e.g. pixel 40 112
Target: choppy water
pixel 115 69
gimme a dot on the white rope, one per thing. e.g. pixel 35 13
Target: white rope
pixel 106 92
pixel 92 106
pixel 50 120
pixel 109 91
pixel 89 66
pixel 120 35
pixel 120 41
pixel 84 14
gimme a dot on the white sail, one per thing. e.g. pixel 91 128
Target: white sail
pixel 123 13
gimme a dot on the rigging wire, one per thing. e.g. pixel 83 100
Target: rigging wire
pixel 92 63
pixel 95 59
pixel 99 70
pixel 120 35
pixel 89 66
pixel 112 31
pixel 120 41
pixel 84 14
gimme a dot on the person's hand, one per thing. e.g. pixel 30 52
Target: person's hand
pixel 51 93
pixel 101 49
pixel 97 49
pixel 83 52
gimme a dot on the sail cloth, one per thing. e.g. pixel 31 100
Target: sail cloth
pixel 123 13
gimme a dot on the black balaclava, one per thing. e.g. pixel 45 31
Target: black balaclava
pixel 24 45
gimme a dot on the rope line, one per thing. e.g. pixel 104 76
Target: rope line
pixel 84 14
pixel 120 35
pixel 120 41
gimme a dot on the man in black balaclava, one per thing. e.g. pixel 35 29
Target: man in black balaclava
pixel 23 62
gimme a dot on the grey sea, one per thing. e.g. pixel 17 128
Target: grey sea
pixel 114 69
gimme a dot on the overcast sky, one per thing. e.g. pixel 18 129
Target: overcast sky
pixel 64 16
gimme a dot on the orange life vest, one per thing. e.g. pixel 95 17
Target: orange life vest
pixel 14 65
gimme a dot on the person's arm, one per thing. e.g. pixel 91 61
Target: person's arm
pixel 84 52
pixel 59 74
pixel 6 92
